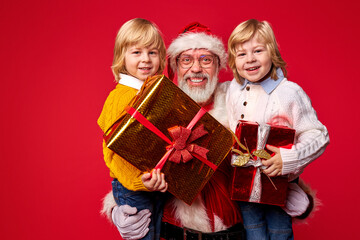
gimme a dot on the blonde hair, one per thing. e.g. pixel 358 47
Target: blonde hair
pixel 244 32
pixel 141 32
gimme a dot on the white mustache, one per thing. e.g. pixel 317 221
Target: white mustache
pixel 196 75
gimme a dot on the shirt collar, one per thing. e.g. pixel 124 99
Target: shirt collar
pixel 268 84
pixel 130 81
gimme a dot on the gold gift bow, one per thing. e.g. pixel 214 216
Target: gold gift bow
pixel 244 158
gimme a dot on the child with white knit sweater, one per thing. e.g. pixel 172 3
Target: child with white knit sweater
pixel 260 92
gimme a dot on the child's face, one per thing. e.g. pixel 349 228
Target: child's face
pixel 142 62
pixel 253 60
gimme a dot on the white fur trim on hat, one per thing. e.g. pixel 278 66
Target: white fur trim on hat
pixel 189 40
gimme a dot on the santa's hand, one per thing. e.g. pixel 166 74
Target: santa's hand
pixel 297 201
pixel 274 164
pixel 130 223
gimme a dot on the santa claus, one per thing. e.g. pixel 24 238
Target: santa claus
pixel 196 56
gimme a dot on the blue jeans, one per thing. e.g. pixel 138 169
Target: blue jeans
pixel 264 222
pixel 154 201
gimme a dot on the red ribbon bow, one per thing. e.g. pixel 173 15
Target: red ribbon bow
pixel 192 147
pixel 184 148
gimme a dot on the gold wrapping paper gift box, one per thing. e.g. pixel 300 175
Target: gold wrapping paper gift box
pixel 166 106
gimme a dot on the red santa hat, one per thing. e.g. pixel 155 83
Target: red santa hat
pixel 195 36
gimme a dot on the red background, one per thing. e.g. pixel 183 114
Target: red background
pixel 55 76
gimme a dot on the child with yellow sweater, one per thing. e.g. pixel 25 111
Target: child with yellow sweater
pixel 139 53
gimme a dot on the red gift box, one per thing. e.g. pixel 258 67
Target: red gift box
pixel 249 183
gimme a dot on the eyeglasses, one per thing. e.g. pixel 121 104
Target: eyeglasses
pixel 187 61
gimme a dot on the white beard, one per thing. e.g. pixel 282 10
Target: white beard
pixel 201 94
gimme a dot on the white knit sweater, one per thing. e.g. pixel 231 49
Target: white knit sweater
pixel 286 105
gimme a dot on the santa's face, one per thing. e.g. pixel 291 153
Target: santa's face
pixel 200 79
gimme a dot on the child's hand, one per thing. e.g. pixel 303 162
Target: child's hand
pixel 155 181
pixel 274 164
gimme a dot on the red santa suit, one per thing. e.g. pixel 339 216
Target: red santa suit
pixel 212 211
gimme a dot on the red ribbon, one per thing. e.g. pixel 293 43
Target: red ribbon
pixel 182 139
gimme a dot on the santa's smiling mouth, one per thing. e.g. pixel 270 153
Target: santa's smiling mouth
pixel 196 80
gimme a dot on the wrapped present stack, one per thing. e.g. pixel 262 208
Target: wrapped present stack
pixel 249 183
pixel 164 128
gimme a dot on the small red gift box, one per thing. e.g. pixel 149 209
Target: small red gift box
pixel 249 183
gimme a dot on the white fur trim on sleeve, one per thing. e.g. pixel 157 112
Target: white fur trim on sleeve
pixel 108 204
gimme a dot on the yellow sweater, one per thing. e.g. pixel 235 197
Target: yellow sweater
pixel 127 174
